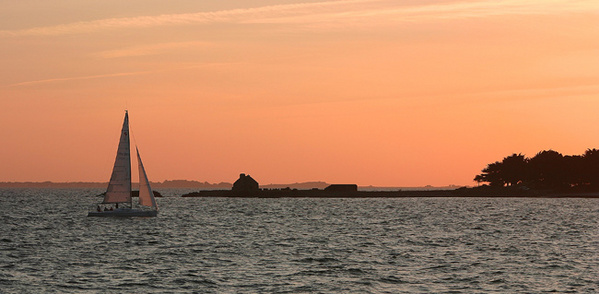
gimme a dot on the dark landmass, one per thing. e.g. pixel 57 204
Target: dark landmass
pixel 246 186
pixel 490 191
pixel 424 188
pixel 316 190
pixel 461 192
pixel 548 170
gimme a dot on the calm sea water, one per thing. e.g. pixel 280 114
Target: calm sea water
pixel 223 245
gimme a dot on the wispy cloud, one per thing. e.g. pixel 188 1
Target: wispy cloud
pixel 343 11
pixel 390 12
pixel 232 15
pixel 67 79
pixel 214 65
pixel 146 50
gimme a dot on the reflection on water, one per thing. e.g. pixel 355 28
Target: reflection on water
pixel 216 245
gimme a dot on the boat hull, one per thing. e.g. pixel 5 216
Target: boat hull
pixel 124 213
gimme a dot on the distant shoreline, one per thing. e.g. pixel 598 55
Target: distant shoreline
pixel 299 190
pixel 184 184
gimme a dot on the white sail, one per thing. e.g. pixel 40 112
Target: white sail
pixel 146 196
pixel 119 187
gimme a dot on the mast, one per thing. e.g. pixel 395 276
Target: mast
pixel 129 151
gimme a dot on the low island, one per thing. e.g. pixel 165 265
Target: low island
pixel 548 174
pixel 247 187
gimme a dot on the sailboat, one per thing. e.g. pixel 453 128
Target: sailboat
pixel 119 187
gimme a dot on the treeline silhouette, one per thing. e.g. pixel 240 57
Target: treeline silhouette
pixel 548 169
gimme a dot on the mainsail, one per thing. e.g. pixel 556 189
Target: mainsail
pixel 119 187
pixel 146 196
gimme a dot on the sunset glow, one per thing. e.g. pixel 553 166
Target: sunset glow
pixel 386 93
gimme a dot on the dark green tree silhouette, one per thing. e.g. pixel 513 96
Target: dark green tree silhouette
pixel 548 169
pixel 492 175
pixel 510 171
pixel 514 169
pixel 590 169
pixel 573 173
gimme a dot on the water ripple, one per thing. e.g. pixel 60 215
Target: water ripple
pixel 225 245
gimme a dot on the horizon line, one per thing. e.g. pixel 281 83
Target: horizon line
pixel 225 182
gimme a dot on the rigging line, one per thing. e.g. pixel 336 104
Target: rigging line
pixel 132 134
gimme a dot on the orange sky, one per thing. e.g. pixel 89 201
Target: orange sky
pixel 388 93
